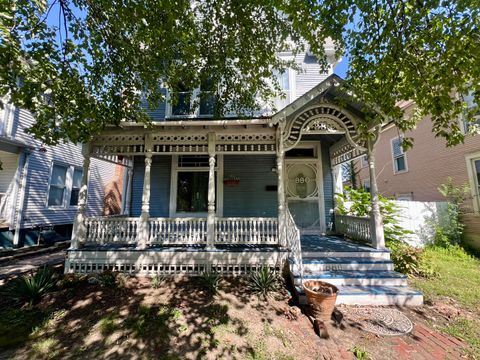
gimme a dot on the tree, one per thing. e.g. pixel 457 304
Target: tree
pixel 84 64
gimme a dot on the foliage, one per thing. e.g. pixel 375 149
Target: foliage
pixel 82 62
pixel 458 276
pixel 451 229
pixel 211 282
pixel 107 279
pixel 263 281
pixel 467 330
pixel 31 288
pixel 108 325
pixel 157 280
pixel 410 260
pixel 360 354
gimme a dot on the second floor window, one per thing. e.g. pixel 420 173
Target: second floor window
pixel 181 101
pixel 193 102
pixel 399 158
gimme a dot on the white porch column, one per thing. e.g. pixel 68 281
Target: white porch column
pixel 79 231
pixel 128 192
pixel 337 179
pixel 282 231
pixel 378 238
pixel 211 192
pixel 21 177
pixel 143 231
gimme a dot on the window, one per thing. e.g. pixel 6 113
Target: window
pixel 399 158
pixel 64 188
pixel 473 169
pixel 193 102
pixel 76 184
pixel 207 98
pixel 56 193
pixel 467 126
pixel 285 80
pixel 366 185
pixel 181 101
pixel 364 161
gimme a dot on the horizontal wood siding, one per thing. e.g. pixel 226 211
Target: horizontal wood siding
pixel 36 211
pixel 250 197
pixel 157 114
pixel 7 183
pixel 327 182
pixel 310 74
pixel 160 186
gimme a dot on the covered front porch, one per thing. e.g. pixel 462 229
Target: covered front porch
pixel 228 192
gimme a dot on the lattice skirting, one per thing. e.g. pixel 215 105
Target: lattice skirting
pixel 164 263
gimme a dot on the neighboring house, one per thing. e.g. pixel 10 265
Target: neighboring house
pixel 39 185
pixel 231 195
pixel 417 173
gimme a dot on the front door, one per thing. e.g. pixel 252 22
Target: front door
pixel 304 188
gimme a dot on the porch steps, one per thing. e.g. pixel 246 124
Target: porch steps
pixel 364 275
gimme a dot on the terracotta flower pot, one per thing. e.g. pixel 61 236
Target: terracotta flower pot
pixel 321 297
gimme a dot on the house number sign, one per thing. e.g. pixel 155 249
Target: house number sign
pixel 302 181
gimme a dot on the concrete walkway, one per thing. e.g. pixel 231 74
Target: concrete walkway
pixel 26 264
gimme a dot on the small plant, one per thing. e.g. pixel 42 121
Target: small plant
pixel 107 279
pixel 211 282
pixel 107 325
pixel 263 281
pixel 30 288
pixel 156 281
pixel 360 354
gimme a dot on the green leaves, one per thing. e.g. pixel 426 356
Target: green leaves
pixel 99 60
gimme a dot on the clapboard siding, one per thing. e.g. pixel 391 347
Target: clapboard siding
pixel 250 197
pixel 36 211
pixel 310 74
pixel 7 183
pixel 160 186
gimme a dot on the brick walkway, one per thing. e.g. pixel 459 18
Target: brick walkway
pixel 425 343
pixel 20 266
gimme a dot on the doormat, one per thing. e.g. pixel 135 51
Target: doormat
pixel 378 320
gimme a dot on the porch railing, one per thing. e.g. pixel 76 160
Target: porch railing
pixel 177 231
pixel 246 231
pixel 294 243
pixel 355 227
pixel 112 229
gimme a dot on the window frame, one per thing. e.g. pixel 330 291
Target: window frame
pixel 194 103
pixel 175 169
pixel 67 193
pixel 474 183
pixel 71 188
pixel 394 158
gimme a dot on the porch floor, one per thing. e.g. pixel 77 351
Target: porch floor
pixel 331 243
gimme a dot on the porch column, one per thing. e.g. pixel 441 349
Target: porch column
pixel 378 238
pixel 128 192
pixel 211 192
pixel 79 231
pixel 144 217
pixel 282 231
pixel 337 179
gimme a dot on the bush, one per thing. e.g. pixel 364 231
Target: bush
pixel 263 281
pixel 31 288
pixel 107 279
pixel 211 282
pixel 157 280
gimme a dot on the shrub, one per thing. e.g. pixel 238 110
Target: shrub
pixel 31 288
pixel 107 279
pixel 211 282
pixel 156 281
pixel 263 281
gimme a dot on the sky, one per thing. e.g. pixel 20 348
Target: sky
pixel 342 67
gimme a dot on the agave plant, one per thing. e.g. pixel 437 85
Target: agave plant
pixel 263 281
pixel 211 282
pixel 30 288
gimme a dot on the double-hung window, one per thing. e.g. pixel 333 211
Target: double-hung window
pixel 181 101
pixel 64 187
pixel 285 80
pixel 186 102
pixel 399 158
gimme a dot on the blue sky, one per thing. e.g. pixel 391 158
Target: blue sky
pixel 342 67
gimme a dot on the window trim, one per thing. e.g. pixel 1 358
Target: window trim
pixel 175 169
pixel 71 188
pixel 474 187
pixel 395 171
pixel 194 98
pixel 67 187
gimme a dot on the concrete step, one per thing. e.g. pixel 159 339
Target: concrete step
pixel 346 263
pixel 373 295
pixel 354 277
pixel 374 253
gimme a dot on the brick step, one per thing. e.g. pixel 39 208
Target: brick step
pixel 373 295
pixel 354 277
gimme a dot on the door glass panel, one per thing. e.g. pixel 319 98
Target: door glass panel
pixel 302 181
pixel 192 192
pixel 305 213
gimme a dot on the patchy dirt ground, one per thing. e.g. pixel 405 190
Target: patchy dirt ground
pixel 180 320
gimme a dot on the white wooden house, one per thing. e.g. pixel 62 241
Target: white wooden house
pixel 231 195
pixel 39 184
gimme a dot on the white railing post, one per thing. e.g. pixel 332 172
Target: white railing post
pixel 211 192
pixel 280 189
pixel 144 233
pixel 79 231
pixel 378 237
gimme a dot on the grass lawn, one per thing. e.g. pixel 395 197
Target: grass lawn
pixel 456 287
